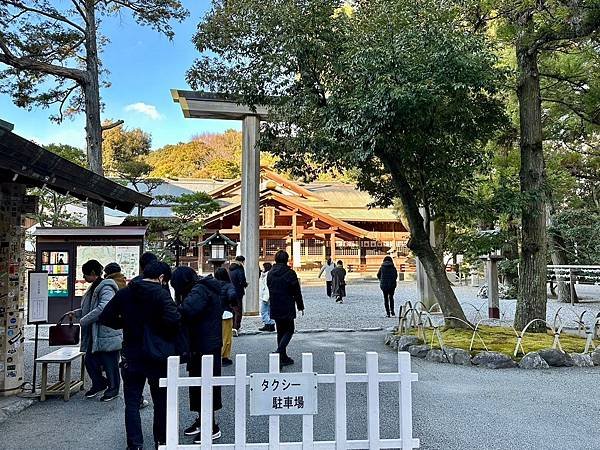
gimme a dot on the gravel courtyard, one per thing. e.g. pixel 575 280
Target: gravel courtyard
pixel 363 308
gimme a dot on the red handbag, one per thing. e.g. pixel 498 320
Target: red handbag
pixel 64 334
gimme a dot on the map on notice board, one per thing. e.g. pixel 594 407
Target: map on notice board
pixel 126 256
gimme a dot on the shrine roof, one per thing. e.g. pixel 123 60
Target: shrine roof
pixel 25 162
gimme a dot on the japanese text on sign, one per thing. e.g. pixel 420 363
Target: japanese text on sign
pixel 282 394
pixel 38 297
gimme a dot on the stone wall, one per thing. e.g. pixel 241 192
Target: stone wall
pixel 12 284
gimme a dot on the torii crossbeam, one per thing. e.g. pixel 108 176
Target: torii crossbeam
pixel 208 105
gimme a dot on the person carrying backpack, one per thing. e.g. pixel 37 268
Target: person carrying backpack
pixel 201 313
pixel 145 311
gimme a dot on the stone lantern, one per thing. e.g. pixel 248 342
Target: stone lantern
pixel 491 275
pixel 219 247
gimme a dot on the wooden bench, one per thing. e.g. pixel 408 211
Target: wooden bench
pixel 65 386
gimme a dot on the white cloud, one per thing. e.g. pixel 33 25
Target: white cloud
pixel 69 134
pixel 144 108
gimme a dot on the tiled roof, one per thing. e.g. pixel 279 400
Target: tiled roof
pixel 340 200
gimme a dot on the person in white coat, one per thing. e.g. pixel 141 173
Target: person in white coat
pixel 326 269
pixel 265 309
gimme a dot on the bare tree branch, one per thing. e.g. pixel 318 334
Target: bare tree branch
pixel 64 100
pixel 50 14
pixel 595 119
pixel 112 125
pixel 80 11
pixel 27 63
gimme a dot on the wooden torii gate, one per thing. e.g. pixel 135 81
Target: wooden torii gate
pixel 208 105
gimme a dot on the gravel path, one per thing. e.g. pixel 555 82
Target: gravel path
pixel 363 308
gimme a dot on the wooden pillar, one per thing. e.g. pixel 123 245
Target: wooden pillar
pixel 332 239
pixel 250 223
pixel 12 271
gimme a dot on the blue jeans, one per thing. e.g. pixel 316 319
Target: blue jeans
pixel 265 312
pixel 109 361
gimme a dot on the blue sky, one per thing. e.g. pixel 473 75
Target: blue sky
pixel 143 66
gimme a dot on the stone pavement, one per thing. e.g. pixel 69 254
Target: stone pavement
pixel 455 407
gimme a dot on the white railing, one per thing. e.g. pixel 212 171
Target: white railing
pixel 577 274
pixel 404 377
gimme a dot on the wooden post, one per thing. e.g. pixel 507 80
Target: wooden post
pixel 373 399
pixel 307 420
pixel 274 420
pixel 206 407
pixel 341 431
pixel 333 241
pixel 250 210
pixel 572 286
pixel 240 402
pixel 67 381
pixel 172 384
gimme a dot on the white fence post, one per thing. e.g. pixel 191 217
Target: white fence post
pixel 172 402
pixel 340 401
pixel 274 420
pixel 206 408
pixel 403 376
pixel 405 400
pixel 307 419
pixel 373 399
pixel 240 402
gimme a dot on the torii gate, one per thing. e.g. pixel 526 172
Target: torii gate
pixel 206 105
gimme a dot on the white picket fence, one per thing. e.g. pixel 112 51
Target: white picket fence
pixel 404 377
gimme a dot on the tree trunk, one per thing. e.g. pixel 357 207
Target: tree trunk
pixel 531 303
pixel 93 126
pixel 419 244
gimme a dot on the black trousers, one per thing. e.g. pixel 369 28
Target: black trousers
pixel 285 331
pixel 134 380
pixel 328 288
pixel 388 300
pixel 195 370
pixel 109 361
pixel 237 313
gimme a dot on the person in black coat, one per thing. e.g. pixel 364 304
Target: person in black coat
pixel 284 297
pixel 238 279
pixel 228 298
pixel 143 305
pixel 387 276
pixel 201 313
pixel 338 282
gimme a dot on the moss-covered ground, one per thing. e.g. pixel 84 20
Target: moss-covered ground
pixel 503 339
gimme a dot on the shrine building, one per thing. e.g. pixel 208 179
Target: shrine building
pixel 311 221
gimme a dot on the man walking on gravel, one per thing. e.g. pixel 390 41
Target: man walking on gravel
pixel 284 296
